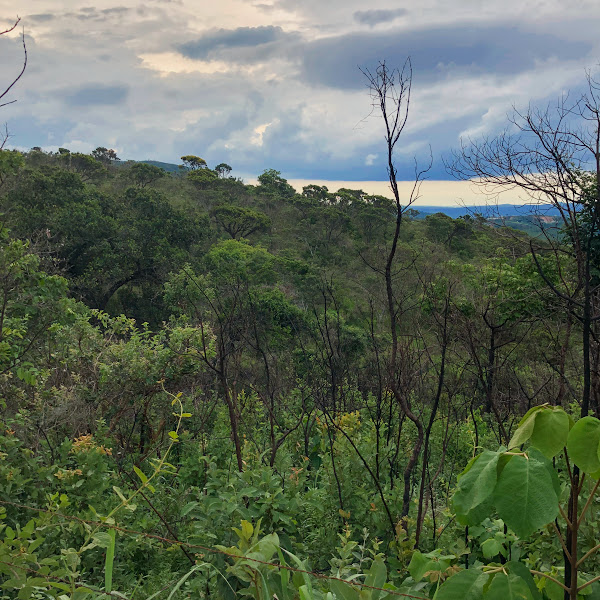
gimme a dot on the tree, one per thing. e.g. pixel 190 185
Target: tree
pixel 105 155
pixel 390 93
pixel 316 192
pixel 239 221
pixel 272 182
pixel 553 155
pixel 222 170
pixel 143 174
pixel 192 162
pixel 10 163
pixel 202 177
pixel 219 303
pixel 88 167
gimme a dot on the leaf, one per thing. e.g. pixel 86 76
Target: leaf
pixel 343 591
pixel 508 587
pixel 523 572
pixel 465 585
pixel 419 565
pixel 525 496
pixel 491 547
pixel 583 444
pixel 173 435
pixel 525 429
pixel 140 474
pixel 103 539
pixel 109 561
pixel 475 486
pixel 119 493
pixel 188 507
pixel 376 577
pixel 551 431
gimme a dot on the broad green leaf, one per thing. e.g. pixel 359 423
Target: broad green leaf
pixel 525 496
pixel 343 591
pixel 419 565
pixel 553 590
pixel 551 431
pixel 525 429
pixel 376 577
pixel 475 486
pixel 465 585
pixel 583 444
pixel 102 539
pixel 508 587
pixel 491 547
pixel 519 569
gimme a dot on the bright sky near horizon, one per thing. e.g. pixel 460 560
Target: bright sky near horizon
pixel 275 83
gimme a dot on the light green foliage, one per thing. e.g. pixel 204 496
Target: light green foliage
pixel 287 339
pixel 475 486
pixel 546 427
pixel 583 445
pixel 143 174
pixel 193 162
pixel 202 177
pixel 239 222
pixel 10 163
pixel 525 496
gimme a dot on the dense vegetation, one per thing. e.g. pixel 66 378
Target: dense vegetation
pixel 186 358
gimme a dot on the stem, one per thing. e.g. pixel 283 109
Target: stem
pixel 588 553
pixel 144 485
pixel 587 504
pixel 597 578
pixel 564 516
pixel 561 540
pixel 564 587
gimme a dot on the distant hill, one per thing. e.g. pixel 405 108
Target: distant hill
pixel 500 210
pixel 168 167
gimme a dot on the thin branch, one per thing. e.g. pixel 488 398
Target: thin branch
pixel 24 63
pixel 556 581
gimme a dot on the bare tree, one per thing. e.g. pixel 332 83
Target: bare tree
pixel 5 92
pixel 553 154
pixel 390 91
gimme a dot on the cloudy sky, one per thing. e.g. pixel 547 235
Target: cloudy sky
pixel 276 83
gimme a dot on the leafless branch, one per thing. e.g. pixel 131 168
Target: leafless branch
pixel 5 92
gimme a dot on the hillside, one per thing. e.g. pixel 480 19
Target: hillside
pixel 213 389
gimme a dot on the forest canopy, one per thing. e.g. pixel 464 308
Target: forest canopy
pixel 210 388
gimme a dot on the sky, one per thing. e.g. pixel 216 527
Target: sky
pixel 277 83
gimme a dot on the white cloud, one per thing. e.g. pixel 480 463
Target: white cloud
pixel 256 107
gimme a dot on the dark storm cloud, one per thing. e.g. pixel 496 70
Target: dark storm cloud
pixel 499 50
pixel 375 17
pixel 98 95
pixel 223 39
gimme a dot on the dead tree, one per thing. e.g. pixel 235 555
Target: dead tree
pixel 390 91
pixel 14 81
pixel 553 155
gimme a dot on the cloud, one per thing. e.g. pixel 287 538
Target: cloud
pixel 375 17
pixel 435 52
pixel 275 83
pixel 94 95
pixel 41 18
pixel 221 39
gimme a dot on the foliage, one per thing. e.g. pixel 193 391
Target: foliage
pixel 267 310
